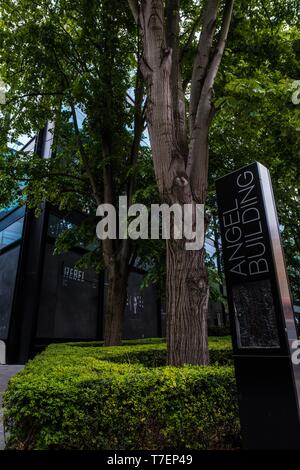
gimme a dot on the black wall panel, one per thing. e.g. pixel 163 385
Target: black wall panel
pixel 69 300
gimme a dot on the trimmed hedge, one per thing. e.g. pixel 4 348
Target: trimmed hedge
pixel 75 396
pixel 152 352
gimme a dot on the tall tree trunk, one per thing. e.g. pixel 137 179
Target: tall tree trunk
pixel 181 170
pixel 117 274
pixel 187 300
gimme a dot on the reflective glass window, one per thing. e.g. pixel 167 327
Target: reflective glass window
pixel 12 233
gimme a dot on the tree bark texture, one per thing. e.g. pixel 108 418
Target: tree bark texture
pixel 117 276
pixel 187 300
pixel 180 156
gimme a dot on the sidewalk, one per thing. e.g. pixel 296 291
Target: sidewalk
pixel 6 372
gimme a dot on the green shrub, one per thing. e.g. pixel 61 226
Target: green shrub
pixel 152 352
pixel 77 397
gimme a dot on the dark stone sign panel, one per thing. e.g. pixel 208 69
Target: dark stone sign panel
pixel 248 256
pixel 261 313
pixel 69 301
pixel 255 315
pixel 8 273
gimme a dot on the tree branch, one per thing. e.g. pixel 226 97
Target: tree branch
pixel 84 158
pixel 203 55
pixel 134 7
pixel 172 37
pixel 190 38
pixel 197 167
pixel 218 54
pixel 267 14
pixel 34 95
pixel 139 120
pixel 50 175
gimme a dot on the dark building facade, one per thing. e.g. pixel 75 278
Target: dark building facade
pixel 45 298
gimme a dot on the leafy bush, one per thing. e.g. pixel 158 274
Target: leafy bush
pixel 152 352
pixel 77 397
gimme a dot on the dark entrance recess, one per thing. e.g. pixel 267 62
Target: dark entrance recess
pixel 261 313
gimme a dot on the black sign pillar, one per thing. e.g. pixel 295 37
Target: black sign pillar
pixel 261 313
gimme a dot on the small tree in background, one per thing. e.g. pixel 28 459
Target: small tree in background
pixel 58 58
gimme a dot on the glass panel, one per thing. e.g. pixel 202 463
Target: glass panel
pixel 11 233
